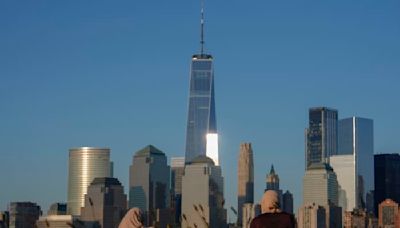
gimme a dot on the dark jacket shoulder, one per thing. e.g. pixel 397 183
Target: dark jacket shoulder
pixel 274 220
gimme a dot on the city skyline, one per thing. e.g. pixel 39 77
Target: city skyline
pixel 99 77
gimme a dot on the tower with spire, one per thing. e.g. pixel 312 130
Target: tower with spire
pixel 272 180
pixel 201 131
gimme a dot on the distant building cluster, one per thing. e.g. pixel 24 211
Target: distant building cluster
pixel 344 184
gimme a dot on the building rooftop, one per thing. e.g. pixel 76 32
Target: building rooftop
pixel 320 166
pixel 202 159
pixel 107 181
pixel 149 150
pixel 202 56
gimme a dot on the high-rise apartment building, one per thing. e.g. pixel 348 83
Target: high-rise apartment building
pixel 202 194
pixel 354 164
pixel 149 182
pixel 321 135
pixel 105 202
pixel 85 164
pixel 24 214
pixel 245 178
pixel 201 132
pixel 387 178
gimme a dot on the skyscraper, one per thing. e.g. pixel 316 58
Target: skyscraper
pixel 249 212
pixel 354 165
pixel 287 202
pixel 321 135
pixel 177 170
pixel 149 181
pixel 387 178
pixel 273 181
pixel 201 132
pixel 245 178
pixel 320 185
pixel 105 202
pixel 24 214
pixel 202 194
pixel 85 164
pixel 311 215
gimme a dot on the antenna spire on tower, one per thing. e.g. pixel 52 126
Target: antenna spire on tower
pixel 202 28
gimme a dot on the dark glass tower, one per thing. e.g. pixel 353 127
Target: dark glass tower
pixel 201 115
pixel 321 135
pixel 387 178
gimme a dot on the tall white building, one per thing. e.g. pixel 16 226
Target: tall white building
pixel 354 165
pixel 85 164
pixel 202 194
pixel 345 169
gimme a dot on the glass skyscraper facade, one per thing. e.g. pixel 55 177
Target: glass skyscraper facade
pixel 354 163
pixel 387 178
pixel 149 182
pixel 321 135
pixel 201 114
pixel 85 164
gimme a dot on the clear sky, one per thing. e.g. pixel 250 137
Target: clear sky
pixel 116 74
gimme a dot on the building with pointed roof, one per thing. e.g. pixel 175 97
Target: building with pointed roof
pixel 149 182
pixel 272 180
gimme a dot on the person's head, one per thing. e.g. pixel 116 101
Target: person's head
pixel 270 202
pixel 132 219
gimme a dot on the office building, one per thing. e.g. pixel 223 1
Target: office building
pixel 388 214
pixel 320 185
pixel 177 170
pixel 245 178
pixel 333 215
pixel 149 182
pixel 354 166
pixel 321 135
pixel 287 203
pixel 272 180
pixel 387 178
pixel 272 183
pixel 24 214
pixel 57 209
pixel 105 202
pixel 345 169
pixel 249 212
pixel 85 164
pixel 201 132
pixel 311 216
pixel 4 219
pixel 202 194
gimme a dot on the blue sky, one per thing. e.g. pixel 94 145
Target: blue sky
pixel 116 74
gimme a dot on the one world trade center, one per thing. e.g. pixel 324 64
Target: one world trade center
pixel 201 132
